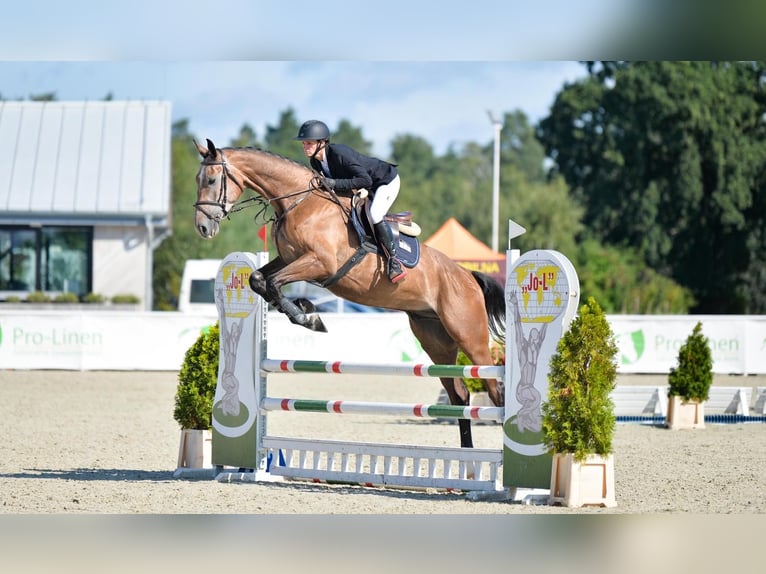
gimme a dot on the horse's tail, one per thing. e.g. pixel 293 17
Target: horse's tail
pixel 494 303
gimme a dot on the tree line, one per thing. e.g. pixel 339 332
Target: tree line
pixel 649 176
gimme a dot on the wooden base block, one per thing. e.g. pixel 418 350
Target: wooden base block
pixel 588 483
pixel 684 414
pixel 196 449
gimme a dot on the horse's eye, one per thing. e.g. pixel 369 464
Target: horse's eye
pixel 211 181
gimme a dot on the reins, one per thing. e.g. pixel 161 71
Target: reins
pixel 316 185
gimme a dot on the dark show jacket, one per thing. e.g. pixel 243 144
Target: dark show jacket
pixel 352 170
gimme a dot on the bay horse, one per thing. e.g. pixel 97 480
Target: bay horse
pixel 449 308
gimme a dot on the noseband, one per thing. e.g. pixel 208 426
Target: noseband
pixel 222 200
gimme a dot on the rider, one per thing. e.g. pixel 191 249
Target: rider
pixel 345 169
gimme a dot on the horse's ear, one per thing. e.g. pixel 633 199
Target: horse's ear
pixel 211 148
pixel 201 149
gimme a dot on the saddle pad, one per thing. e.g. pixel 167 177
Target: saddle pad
pixel 408 251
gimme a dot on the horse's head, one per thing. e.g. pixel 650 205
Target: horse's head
pixel 214 199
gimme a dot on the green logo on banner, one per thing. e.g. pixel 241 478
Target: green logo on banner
pixel 632 346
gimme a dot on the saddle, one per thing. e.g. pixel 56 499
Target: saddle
pixel 403 221
pixel 404 229
pixel 405 234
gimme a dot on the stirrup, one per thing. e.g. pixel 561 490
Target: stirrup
pixel 396 274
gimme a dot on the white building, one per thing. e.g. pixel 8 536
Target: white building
pixel 85 196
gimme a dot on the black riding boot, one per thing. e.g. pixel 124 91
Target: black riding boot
pixel 396 272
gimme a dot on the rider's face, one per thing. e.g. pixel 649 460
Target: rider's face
pixel 310 148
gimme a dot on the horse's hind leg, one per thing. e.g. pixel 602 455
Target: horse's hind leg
pixel 442 350
pixel 468 326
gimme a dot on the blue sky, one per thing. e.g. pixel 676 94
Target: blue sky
pixel 444 102
pixel 303 29
pixel 422 68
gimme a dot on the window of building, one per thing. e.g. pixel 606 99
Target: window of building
pixel 52 259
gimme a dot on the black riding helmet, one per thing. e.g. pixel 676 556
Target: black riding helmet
pixel 313 130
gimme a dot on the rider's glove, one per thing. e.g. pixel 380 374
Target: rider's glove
pixel 329 183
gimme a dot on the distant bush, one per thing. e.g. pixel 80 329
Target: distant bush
pixel 476 385
pixel 66 297
pixel 13 299
pixel 93 298
pixel 38 297
pixel 126 299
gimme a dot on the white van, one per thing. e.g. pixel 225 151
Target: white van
pixel 197 295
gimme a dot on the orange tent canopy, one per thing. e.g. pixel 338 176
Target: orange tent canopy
pixel 456 241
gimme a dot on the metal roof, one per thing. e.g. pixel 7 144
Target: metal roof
pixel 85 162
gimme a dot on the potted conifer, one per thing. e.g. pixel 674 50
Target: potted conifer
pixel 195 393
pixel 578 417
pixel 689 383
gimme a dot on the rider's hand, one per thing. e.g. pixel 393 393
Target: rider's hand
pixel 329 183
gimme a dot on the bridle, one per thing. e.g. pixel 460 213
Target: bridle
pixel 221 202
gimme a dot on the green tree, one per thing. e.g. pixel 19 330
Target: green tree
pixel 352 136
pixel 692 377
pixel 578 417
pixel 246 138
pixel 197 380
pixel 668 158
pixel 617 277
pixel 280 138
pixel 184 242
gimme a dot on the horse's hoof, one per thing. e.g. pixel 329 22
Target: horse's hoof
pixel 315 323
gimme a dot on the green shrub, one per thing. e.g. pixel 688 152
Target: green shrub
pixel 93 298
pixel 38 297
pixel 476 385
pixel 692 378
pixel 125 299
pixel 13 299
pixel 197 380
pixel 578 417
pixel 66 297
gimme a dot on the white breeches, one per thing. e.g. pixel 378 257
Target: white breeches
pixel 384 199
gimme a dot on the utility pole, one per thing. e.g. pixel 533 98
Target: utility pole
pixel 498 125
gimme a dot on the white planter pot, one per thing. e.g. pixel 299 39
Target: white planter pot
pixel 196 449
pixel 684 414
pixel 588 483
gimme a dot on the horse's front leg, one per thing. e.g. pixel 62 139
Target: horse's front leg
pixel 266 283
pixel 258 280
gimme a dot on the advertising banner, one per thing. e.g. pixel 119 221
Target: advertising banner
pixel 97 340
pixel 650 343
pixel 158 341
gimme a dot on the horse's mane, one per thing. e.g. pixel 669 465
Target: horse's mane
pixel 271 154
